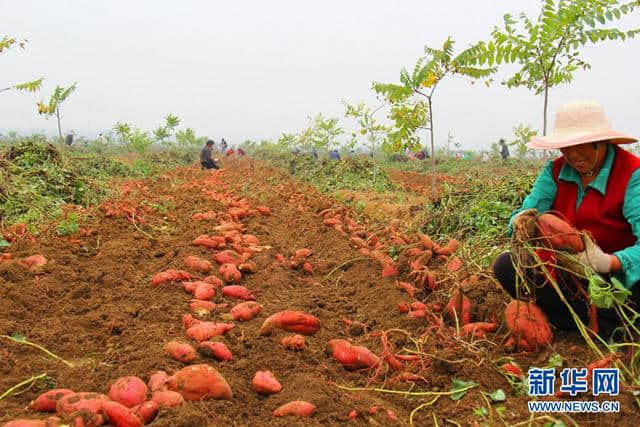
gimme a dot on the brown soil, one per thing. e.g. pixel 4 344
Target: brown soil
pixel 93 304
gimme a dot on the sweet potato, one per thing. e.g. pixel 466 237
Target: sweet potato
pixel 129 391
pixel 190 286
pixel 559 234
pixel 198 264
pixel 158 381
pixel 264 210
pixel 86 419
pixel 200 216
pixel 479 329
pixel 293 342
pixel 449 249
pixel 204 331
pixel 120 415
pixel 264 382
pixel 200 382
pixel 188 321
pixel 352 356
pixel 46 402
pixel 426 242
pixel 204 291
pixel 297 407
pixel 455 264
pixel 209 242
pixel 353 415
pixel 528 326
pixel 303 253
pixel 146 411
pixel 291 321
pixel 411 290
pixel 170 275
pixel 238 292
pixel 307 267
pixel 167 398
pixel 417 314
pixel 250 239
pixel 243 311
pixel 75 402
pixel 216 350
pixel 389 270
pixel 513 369
pixel 215 281
pixel 248 267
pixel 228 226
pixel 228 257
pixel 459 306
pixel 201 307
pixel 34 261
pixel 49 422
pixel 182 352
pixel 230 273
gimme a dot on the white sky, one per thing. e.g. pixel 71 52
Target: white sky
pixel 253 69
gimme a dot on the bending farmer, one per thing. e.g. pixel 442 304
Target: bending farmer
pixel 206 161
pixel 595 187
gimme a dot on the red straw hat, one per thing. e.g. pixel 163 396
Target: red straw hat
pixel 579 122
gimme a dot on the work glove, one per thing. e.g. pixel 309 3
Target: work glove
pixel 594 257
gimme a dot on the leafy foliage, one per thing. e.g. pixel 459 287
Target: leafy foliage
pixel 523 134
pixel 164 132
pixel 7 43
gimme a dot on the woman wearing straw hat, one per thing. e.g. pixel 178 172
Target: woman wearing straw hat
pixel 595 186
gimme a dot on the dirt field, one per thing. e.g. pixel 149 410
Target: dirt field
pixel 93 304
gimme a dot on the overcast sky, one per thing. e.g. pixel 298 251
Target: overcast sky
pixel 254 69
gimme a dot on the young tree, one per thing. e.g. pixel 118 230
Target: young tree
pixel 133 138
pixel 523 134
pixel 548 48
pixel 411 101
pixel 163 133
pixel 7 43
pixel 59 95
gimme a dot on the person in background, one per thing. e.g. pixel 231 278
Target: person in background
pixel 504 150
pixel 314 153
pixel 594 186
pixel 69 139
pixel 102 139
pixel 334 155
pixel 223 146
pixel 206 161
pixel 241 152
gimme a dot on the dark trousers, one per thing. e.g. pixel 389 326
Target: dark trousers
pixel 209 164
pixel 549 301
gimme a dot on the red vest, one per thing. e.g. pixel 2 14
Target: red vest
pixel 598 214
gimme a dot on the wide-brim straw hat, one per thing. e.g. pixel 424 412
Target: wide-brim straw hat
pixel 579 122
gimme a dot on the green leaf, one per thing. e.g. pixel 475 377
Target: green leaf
pixel 480 412
pixel 554 424
pixel 498 395
pixel 18 336
pixel 555 361
pixel 501 410
pixel 4 243
pixel 462 386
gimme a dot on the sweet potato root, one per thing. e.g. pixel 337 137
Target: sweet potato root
pixel 459 306
pixel 170 275
pixel 158 381
pixel 228 257
pixel 291 321
pixel 47 401
pixel 189 321
pixel 230 273
pixel 200 382
pixel 215 281
pixel 129 391
pixel 238 292
pixel 264 210
pixel 528 326
pixel 204 291
pixel 34 261
pixel 293 342
pixel 182 352
pixel 244 311
pixel 204 331
pixel 75 402
pixel 120 415
pixel 559 234
pixel 49 422
pixel 216 350
pixel 201 307
pixel 264 382
pixel 479 329
pixel 167 398
pixel 146 411
pixel 197 264
pixel 205 241
pixel 297 407
pixel 303 253
pixel 351 356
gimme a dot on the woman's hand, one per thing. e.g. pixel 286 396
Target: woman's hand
pixel 596 258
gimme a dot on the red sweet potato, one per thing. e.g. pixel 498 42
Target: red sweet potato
pixel 189 321
pixel 190 286
pixel 307 267
pixel 46 402
pixel 121 416
pixel 479 329
pixel 146 411
pixel 205 241
pixel 230 273
pixel 303 253
pixel 49 422
pixel 297 407
pixel 215 281
pixel 351 356
pixel 559 234
pixel 250 239
pixel 204 331
pixel 197 264
pixel 293 342
pixel 455 264
pixel 200 216
pixel 168 398
pixel 459 306
pixel 244 311
pixel 449 249
pixel 238 292
pixel 389 270
pixel 264 382
pixel 228 257
pixel 291 321
pixel 411 290
pixel 75 402
pixel 182 352
pixel 199 382
pixel 204 291
pixel 170 275
pixel 201 307
pixel 528 326
pixel 215 349
pixel 158 381
pixel 264 210
pixel 248 267
pixel 513 369
pixel 34 261
pixel 86 419
pixel 129 391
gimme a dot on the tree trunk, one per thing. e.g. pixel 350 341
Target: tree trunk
pixel 58 117
pixel 544 116
pixel 433 151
